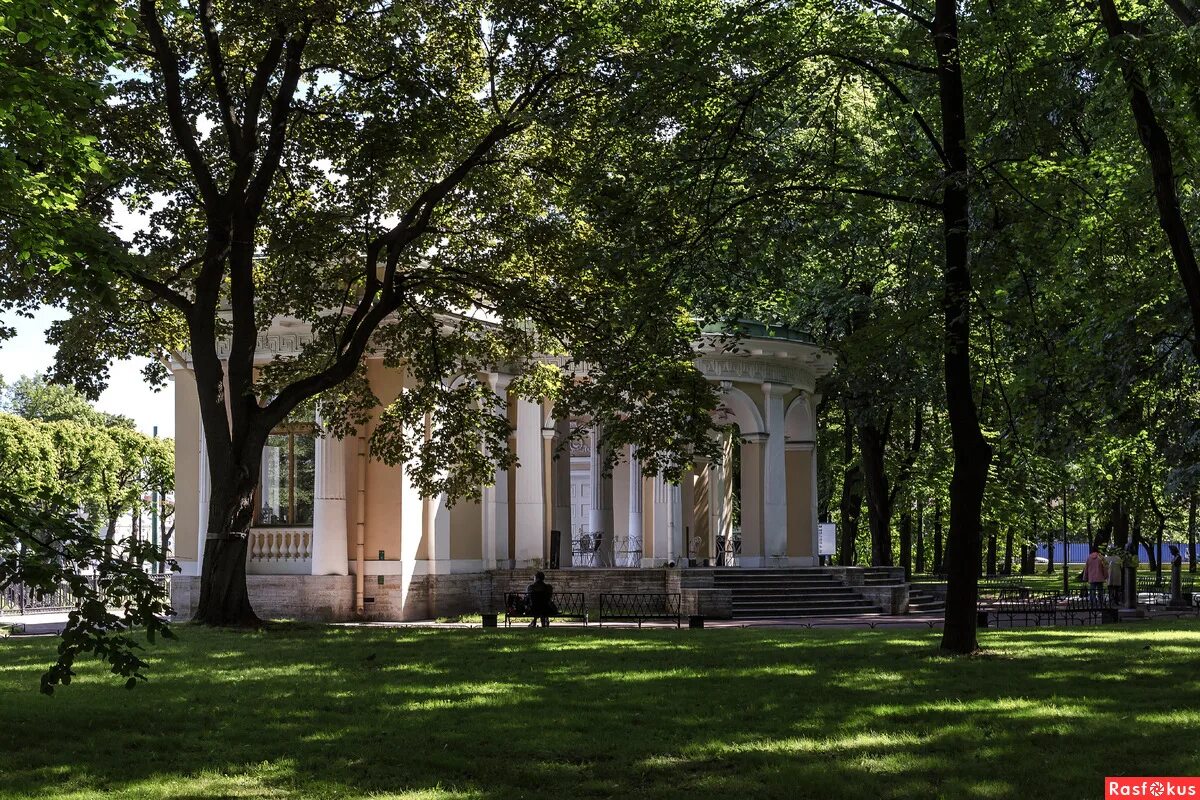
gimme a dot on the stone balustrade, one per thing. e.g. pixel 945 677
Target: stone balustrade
pixel 280 551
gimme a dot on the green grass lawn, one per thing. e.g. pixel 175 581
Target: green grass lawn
pixel 309 711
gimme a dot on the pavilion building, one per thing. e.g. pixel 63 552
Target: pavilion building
pixel 339 535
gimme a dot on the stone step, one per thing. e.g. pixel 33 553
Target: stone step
pixel 765 596
pixel 753 575
pixel 783 585
pixel 804 612
pixel 794 604
pixel 769 571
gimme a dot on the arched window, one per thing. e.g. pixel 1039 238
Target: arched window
pixel 286 479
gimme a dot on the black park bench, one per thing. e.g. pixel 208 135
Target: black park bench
pixel 566 605
pixel 639 607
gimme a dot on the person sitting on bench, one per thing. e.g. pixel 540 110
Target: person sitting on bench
pixel 539 598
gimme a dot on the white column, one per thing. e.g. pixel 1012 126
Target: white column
pixel 601 514
pixel 561 466
pixel 205 490
pixel 329 548
pixel 774 475
pixel 635 509
pixel 717 513
pixel 494 504
pixel 668 524
pixel 530 508
pixel 435 522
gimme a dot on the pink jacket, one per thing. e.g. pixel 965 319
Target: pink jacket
pixel 1095 570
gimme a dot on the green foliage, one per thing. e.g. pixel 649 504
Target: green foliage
pixel 46 547
pixel 68 474
pixel 32 397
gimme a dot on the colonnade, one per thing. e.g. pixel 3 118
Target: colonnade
pixel 632 519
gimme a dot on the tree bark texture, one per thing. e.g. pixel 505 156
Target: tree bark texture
pixel 850 505
pixel 920 557
pixel 972 453
pixel 872 443
pixel 1162 169
pixel 1008 549
pixel 939 566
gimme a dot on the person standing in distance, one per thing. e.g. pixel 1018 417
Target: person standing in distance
pixel 540 597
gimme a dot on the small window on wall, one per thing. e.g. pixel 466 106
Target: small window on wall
pixel 286 479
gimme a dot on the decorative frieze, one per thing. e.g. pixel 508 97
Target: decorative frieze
pixel 750 370
pixel 273 344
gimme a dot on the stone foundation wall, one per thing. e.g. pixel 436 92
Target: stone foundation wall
pixel 326 598
pixel 331 597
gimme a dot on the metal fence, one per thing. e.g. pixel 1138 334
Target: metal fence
pixel 1078 551
pixel 17 598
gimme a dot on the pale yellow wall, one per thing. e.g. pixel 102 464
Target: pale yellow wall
pixel 799 502
pixel 754 392
pixel 384 486
pixel 620 482
pixel 352 446
pixel 466 530
pixel 752 499
pixel 187 466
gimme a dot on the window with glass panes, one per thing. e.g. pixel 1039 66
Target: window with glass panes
pixel 287 479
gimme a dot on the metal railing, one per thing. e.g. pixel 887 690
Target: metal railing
pixel 19 599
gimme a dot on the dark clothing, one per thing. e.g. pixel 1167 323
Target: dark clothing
pixel 540 596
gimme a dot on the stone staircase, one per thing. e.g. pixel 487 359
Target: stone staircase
pixel 760 593
pixel 920 601
pixel 923 601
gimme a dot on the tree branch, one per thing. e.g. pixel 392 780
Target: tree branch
pixel 216 62
pixel 183 130
pixel 896 90
pixel 294 51
pixel 912 15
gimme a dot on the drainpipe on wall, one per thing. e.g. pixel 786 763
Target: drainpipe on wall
pixel 360 529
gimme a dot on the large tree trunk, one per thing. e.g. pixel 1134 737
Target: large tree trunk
pixel 872 443
pixel 906 543
pixel 972 453
pixel 224 596
pixel 1008 549
pixel 1159 528
pixel 1049 548
pixel 850 506
pixel 1158 148
pixel 939 566
pixel 920 567
pixel 1120 517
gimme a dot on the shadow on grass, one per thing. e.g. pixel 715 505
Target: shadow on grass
pixel 327 711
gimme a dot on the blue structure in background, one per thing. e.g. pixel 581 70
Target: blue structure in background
pixel 1079 552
